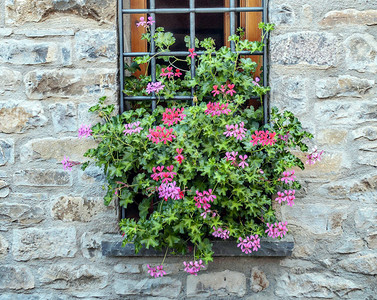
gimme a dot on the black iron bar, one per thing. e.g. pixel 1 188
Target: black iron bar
pixel 232 24
pixel 153 49
pixel 189 10
pixel 153 98
pixel 192 43
pixel 180 53
pixel 265 75
pixel 121 56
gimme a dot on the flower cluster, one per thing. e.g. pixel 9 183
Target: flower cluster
pixel 277 230
pixel 288 177
pixel 85 131
pixel 179 158
pixel 144 23
pixel 216 109
pixel 208 212
pixel 220 233
pixel 170 190
pixel 132 128
pixel 154 87
pixel 161 134
pixel 173 116
pixel 203 198
pixel 314 156
pixel 156 271
pixel 193 267
pixel 263 138
pixel 231 156
pixel 223 90
pixel 249 244
pixel 288 196
pixel 167 72
pixel 192 53
pixel 164 176
pixel 236 130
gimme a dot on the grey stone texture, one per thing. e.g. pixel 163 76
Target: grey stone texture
pixel 57 57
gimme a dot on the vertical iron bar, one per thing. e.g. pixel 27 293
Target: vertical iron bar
pixel 265 77
pixel 192 43
pixel 232 23
pixel 121 58
pixel 153 49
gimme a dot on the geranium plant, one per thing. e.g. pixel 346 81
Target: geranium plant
pixel 198 172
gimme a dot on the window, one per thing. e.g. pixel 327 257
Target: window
pixel 194 18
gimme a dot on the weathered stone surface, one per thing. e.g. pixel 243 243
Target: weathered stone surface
pixel 16 278
pixel 10 80
pixel 37 296
pixel 127 268
pixel 51 148
pixel 91 244
pixel 41 177
pixel 369 133
pixel 259 280
pixel 27 52
pixel 365 185
pixel 23 11
pixel 74 277
pixel 365 218
pixel 348 245
pixel 43 84
pixel 349 17
pixel 160 287
pixel 361 53
pixel 63 117
pixel 282 15
pixel 372 241
pixel 328 218
pixel 342 86
pixel 6 31
pixel 4 189
pixel 17 117
pixel 35 243
pixel 31 32
pixel 6 152
pixel 314 285
pixel 290 93
pixel 311 48
pixel 20 214
pixel 226 283
pixel 68 209
pixel 4 246
pixel 332 136
pixel 98 45
pixel 336 112
pixel 364 263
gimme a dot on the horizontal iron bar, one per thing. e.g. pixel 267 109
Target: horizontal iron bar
pixel 151 98
pixel 180 53
pixel 195 10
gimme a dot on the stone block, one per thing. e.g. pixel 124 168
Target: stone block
pixel 40 177
pixel 25 11
pixel 368 158
pixel 16 278
pixel 17 117
pixel 20 214
pixel 157 287
pixel 90 243
pixel 4 189
pixel 282 15
pixel 42 84
pixel 35 243
pixel 5 31
pixel 69 209
pixel 367 132
pixel 77 278
pixel 347 245
pixel 37 296
pixel 64 117
pixel 259 280
pixel 330 137
pixel 372 241
pixel 337 112
pixel 365 218
pixel 51 148
pixel 96 45
pixel 349 17
pixel 10 80
pixel 6 152
pixel 361 53
pixel 127 268
pixel 364 263
pixel 32 32
pixel 314 285
pixel 4 246
pixel 343 86
pixel 308 48
pixel 220 284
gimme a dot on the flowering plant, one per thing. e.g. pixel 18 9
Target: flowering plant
pixel 202 172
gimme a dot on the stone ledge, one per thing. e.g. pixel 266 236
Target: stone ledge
pixel 220 248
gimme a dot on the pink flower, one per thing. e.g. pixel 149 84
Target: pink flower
pixel 192 54
pixel 249 244
pixel 231 156
pixel 231 91
pixel 179 158
pixel 238 131
pixel 68 164
pixel 222 89
pixel 169 72
pixel 154 87
pixel 215 109
pixel 173 116
pixel 288 177
pixel 177 73
pixel 132 128
pixel 169 190
pixel 160 134
pixel 156 271
pixel 255 82
pixel 208 212
pixel 220 233
pixel 193 267
pixel 314 156
pixel 150 21
pixel 85 131
pixel 277 229
pixel 243 163
pixel 215 91
pixel 141 23
pixel 288 196
pixel 263 138
pixel 202 198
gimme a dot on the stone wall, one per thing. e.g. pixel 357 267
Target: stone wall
pixel 57 57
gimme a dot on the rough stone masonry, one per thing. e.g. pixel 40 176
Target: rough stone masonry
pixel 57 57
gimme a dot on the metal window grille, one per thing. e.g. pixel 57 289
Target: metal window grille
pixel 192 10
